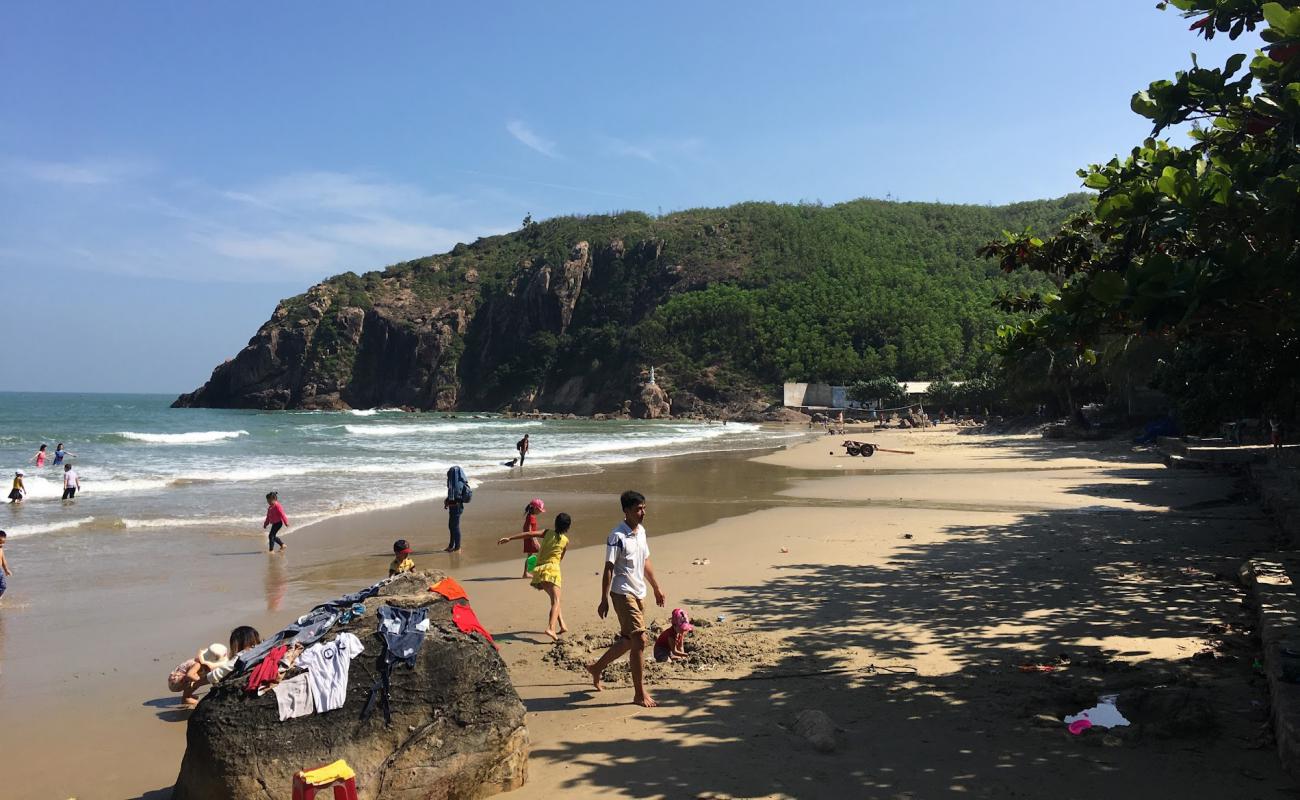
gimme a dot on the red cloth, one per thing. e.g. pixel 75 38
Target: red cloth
pixel 530 526
pixel 268 671
pixel 275 513
pixel 668 638
pixel 467 621
pixel 448 588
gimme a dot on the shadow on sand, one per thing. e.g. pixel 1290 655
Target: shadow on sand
pixel 984 600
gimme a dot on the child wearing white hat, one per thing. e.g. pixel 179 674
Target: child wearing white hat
pixel 188 676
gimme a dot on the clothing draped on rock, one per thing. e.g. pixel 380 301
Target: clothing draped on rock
pixel 467 621
pixel 450 589
pixel 327 669
pixel 293 697
pixel 268 669
pixel 308 629
pixel 402 631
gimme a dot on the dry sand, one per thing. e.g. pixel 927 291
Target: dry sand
pixel 900 595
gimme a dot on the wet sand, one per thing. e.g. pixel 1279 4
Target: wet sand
pixel 910 590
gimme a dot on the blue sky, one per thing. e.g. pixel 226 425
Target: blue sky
pixel 169 171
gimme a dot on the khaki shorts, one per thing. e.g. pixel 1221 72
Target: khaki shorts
pixel 631 620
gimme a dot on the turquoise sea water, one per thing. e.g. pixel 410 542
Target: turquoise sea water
pixel 144 465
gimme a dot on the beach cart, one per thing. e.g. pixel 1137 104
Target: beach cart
pixel 867 449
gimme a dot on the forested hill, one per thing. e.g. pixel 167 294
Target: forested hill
pixel 565 314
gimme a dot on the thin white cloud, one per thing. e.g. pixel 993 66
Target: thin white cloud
pixel 529 138
pixel 74 173
pixel 653 151
pixel 286 248
pixel 296 226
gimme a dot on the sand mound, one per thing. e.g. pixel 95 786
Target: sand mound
pixel 712 646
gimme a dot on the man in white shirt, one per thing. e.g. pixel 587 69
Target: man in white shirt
pixel 71 482
pixel 627 570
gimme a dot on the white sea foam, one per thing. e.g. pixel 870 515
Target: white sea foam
pixel 48 527
pixel 193 437
pixel 485 426
pixel 407 430
pixel 251 520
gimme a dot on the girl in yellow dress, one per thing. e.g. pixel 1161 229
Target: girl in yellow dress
pixel 546 575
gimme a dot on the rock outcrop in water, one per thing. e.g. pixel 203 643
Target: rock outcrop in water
pixel 564 316
pixel 457 727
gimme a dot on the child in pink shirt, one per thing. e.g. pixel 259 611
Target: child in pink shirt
pixel 669 646
pixel 276 519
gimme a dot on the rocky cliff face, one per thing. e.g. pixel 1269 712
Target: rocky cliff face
pixel 319 352
pixel 459 347
pixel 567 314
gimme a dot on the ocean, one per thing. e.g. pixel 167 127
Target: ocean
pixel 144 465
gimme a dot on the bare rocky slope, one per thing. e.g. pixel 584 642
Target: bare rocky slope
pixel 567 315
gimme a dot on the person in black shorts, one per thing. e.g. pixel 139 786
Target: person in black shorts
pixel 71 482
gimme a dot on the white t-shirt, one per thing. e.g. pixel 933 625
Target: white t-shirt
pixel 327 669
pixel 628 550
pixel 70 479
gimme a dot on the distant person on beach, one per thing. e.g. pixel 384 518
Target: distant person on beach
pixel 19 491
pixel 60 454
pixel 546 575
pixel 531 548
pixel 1275 432
pixel 71 482
pixel 5 572
pixel 458 494
pixel 522 447
pixel 276 519
pixel 401 558
pixel 627 570
pixel 671 643
pixel 39 458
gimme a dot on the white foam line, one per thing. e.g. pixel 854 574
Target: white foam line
pixel 49 527
pixel 192 437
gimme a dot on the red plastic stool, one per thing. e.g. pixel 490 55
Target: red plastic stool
pixel 337 775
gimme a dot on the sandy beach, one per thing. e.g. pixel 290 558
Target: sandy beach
pixel 901 595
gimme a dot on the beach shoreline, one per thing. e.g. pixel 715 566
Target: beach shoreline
pixel 833 565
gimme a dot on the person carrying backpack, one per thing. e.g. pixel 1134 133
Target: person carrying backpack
pixel 458 494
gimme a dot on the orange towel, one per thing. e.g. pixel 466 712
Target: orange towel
pixel 448 588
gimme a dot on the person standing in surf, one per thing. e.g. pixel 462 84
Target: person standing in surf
pixel 71 482
pixel 521 446
pixel 60 454
pixel 19 491
pixel 276 519
pixel 39 458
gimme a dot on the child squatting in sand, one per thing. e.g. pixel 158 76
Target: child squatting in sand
pixel 546 573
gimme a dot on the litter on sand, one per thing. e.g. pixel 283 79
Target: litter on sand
pixel 700 562
pixel 1102 715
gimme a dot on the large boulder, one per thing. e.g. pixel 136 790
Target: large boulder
pixel 653 403
pixel 457 727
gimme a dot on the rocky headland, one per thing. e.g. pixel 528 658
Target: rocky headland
pixel 569 315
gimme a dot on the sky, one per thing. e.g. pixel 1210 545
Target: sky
pixel 170 171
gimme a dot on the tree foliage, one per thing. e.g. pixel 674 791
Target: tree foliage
pixel 1194 245
pixel 885 389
